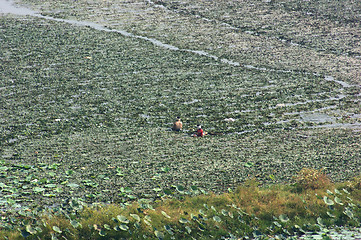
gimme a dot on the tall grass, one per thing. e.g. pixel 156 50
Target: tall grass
pixel 311 203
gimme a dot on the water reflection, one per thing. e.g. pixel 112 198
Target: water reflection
pixel 8 7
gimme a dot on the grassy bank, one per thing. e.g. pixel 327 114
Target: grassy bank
pixel 309 205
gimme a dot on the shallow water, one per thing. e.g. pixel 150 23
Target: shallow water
pixel 8 7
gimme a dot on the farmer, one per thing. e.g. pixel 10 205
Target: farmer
pixel 177 125
pixel 200 132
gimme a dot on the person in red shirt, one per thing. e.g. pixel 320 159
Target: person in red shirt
pixel 200 132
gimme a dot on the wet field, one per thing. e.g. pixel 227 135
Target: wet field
pixel 89 90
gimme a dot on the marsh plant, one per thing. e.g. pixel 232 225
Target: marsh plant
pixel 89 90
pixel 309 178
pixel 249 211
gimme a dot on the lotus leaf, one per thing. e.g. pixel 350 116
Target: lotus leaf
pixel 38 189
pixel 201 227
pixel 123 219
pixel 165 214
pixel 338 201
pixel 168 229
pixel 277 224
pixel 201 211
pixel 159 234
pixel 147 222
pixel 189 230
pixel 75 224
pixel 348 213
pixel 49 195
pixel 224 212
pixel 320 221
pixel 157 189
pixel 343 189
pixel 73 185
pixel 217 219
pixel 106 226
pixel 248 164
pixel 102 233
pixel 4 168
pixel 328 201
pixel 30 229
pixel 180 188
pixel 331 215
pixel 137 225
pixel 284 218
pixel 57 229
pixel 183 220
pixel 123 227
pixel 53 237
pixel 147 217
pixel 135 216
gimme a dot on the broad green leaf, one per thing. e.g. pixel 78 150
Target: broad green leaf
pixel 348 213
pixel 123 227
pixel 122 219
pixel 345 191
pixel 330 214
pixel 337 191
pixel 165 214
pixel 201 211
pixel 38 189
pixel 135 216
pixel 147 222
pixel 183 220
pixel 320 221
pixel 57 229
pixel 159 234
pixel 180 188
pixel 217 219
pixel 73 185
pixel 75 224
pixel 4 168
pixel 224 212
pixel 30 229
pixel 338 201
pixel 102 232
pixel 277 224
pixel 284 218
pixel 328 201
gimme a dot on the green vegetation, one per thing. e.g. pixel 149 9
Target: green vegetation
pixel 85 117
pixel 279 210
